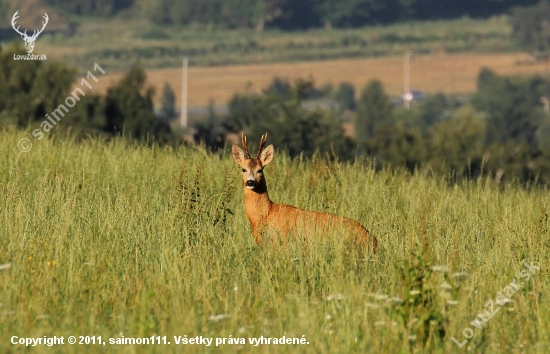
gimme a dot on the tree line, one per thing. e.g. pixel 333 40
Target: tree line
pixel 30 90
pixel 290 14
pixel 502 131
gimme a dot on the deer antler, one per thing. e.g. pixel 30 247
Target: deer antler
pixel 245 147
pixel 13 23
pixel 43 25
pixel 261 146
pixel 34 33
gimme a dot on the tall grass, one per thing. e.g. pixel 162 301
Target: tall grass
pixel 118 239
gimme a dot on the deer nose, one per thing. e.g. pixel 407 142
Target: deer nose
pixel 250 183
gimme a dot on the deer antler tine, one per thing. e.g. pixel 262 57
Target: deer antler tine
pixel 14 22
pixel 46 18
pixel 245 147
pixel 261 146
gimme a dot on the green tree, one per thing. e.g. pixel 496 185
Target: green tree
pixel 373 109
pixel 517 162
pixel 291 126
pixel 168 104
pixel 457 144
pixel 434 109
pixel 211 131
pixel 512 106
pixel 92 7
pixel 88 116
pixel 129 106
pixel 398 146
pixel 531 26
pixel 4 9
pixel 30 89
pixel 348 13
pixel 267 11
pixel 345 96
pixel 185 12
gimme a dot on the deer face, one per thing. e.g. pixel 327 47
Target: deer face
pixel 29 42
pixel 252 172
pixel 252 168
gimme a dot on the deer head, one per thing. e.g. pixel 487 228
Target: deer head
pixel 252 168
pixel 29 40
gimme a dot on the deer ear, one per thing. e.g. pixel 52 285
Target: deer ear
pixel 238 154
pixel 267 155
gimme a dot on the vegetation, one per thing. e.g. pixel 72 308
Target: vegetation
pixel 158 46
pixel 374 108
pixel 287 14
pixel 118 239
pixel 345 96
pixel 531 28
pixel 23 85
pixel 502 132
pixel 193 29
pixel 301 131
pixel 31 90
pixel 168 104
pixel 100 8
pixel 109 230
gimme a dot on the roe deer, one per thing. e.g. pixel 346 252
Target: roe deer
pixel 266 216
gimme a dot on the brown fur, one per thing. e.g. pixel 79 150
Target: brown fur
pixel 269 219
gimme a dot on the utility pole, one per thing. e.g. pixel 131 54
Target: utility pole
pixel 184 95
pixel 545 103
pixel 407 96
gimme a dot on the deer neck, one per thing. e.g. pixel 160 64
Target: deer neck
pixel 257 204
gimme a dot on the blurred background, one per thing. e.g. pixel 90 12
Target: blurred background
pixel 454 88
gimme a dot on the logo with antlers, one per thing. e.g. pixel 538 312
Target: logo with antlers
pixel 29 40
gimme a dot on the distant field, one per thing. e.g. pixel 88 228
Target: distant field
pixel 429 73
pixel 117 44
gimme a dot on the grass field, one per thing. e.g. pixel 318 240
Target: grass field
pixel 117 239
pixel 450 74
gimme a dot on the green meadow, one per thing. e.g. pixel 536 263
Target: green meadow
pixel 120 239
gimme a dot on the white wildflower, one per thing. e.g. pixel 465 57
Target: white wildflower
pixel 216 318
pixel 394 300
pixel 461 276
pixel 446 287
pixel 335 297
pixel 5 266
pixel 440 268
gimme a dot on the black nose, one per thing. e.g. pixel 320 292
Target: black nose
pixel 250 183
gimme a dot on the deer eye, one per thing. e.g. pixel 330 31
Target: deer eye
pixel 261 170
pixel 244 170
